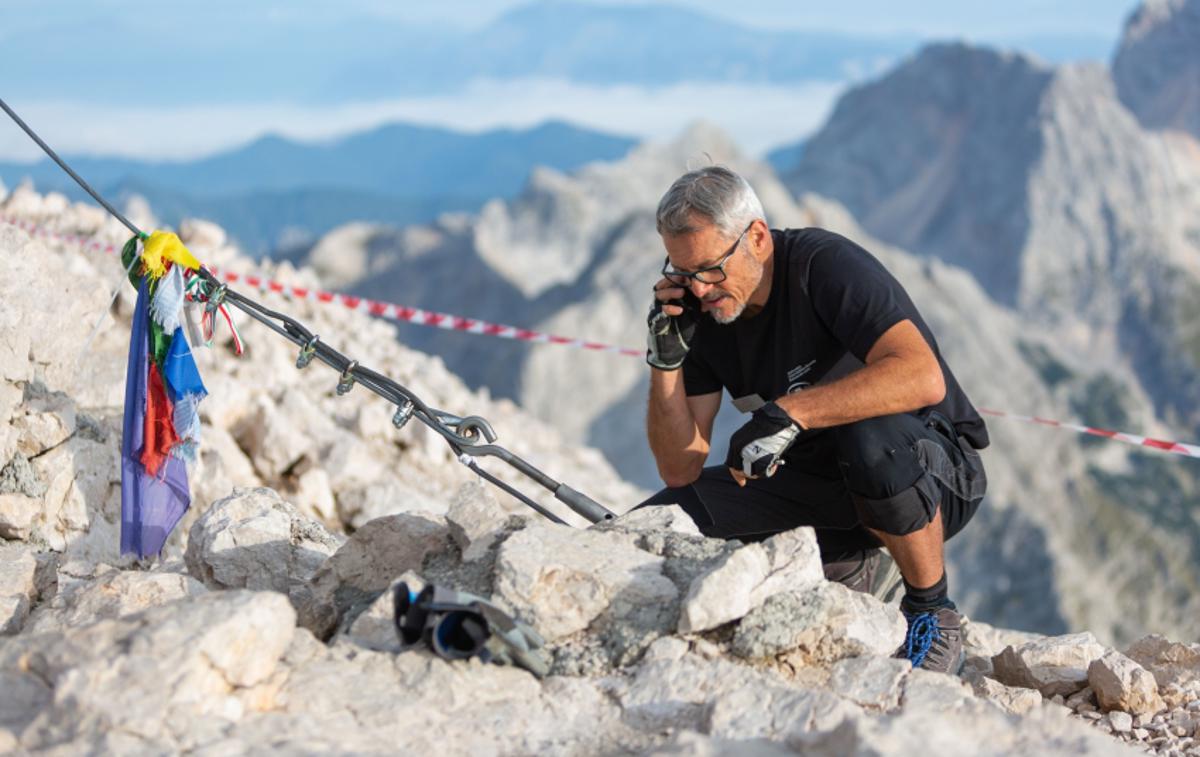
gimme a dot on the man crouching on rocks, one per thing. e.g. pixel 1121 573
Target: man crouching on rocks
pixel 857 427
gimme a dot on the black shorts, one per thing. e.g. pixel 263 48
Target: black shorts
pixel 886 473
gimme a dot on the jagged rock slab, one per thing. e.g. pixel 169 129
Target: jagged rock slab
pixel 112 594
pixel 561 580
pixel 154 676
pixel 824 624
pixel 366 565
pixel 1121 684
pixel 1054 665
pixel 253 539
pixel 750 575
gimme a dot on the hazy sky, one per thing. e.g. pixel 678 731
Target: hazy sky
pixel 995 21
pixel 44 46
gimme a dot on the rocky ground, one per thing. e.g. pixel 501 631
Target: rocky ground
pixel 267 623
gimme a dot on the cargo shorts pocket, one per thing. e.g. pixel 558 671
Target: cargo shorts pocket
pixel 952 461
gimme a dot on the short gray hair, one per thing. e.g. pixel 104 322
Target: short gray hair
pixel 713 192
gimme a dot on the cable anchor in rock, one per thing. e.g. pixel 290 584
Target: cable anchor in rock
pixel 346 382
pixel 307 352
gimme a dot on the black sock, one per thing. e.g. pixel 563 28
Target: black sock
pixel 929 598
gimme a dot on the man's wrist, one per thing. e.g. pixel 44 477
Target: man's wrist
pixel 791 405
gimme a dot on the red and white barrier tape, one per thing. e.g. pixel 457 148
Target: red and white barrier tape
pixel 1178 448
pixel 472 326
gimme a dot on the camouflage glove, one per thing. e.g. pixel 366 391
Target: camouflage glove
pixel 757 448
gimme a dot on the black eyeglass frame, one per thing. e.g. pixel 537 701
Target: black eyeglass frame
pixel 684 278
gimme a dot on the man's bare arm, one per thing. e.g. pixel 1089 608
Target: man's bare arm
pixel 901 375
pixel 679 427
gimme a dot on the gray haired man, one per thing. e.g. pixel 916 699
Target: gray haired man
pixel 857 426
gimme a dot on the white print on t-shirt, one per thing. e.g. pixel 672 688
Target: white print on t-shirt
pixel 793 376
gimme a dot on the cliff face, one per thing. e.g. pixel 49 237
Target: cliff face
pixel 1157 65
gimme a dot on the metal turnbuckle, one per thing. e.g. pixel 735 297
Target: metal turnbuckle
pixel 404 413
pixel 346 382
pixel 307 352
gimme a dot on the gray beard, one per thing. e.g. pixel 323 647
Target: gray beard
pixel 725 320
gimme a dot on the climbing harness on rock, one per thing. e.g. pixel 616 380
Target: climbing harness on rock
pixel 456 625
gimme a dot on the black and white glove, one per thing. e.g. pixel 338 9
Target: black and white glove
pixel 670 336
pixel 756 449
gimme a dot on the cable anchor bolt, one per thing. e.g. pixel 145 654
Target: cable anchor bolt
pixel 307 352
pixel 404 414
pixel 346 382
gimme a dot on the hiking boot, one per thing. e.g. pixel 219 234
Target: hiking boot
pixel 871 572
pixel 934 639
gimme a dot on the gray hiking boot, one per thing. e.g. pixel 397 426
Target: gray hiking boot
pixel 872 572
pixel 934 639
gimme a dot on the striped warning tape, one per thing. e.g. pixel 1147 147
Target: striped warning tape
pixel 450 322
pixel 1178 448
pixel 387 310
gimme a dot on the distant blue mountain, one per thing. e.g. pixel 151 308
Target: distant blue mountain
pixel 644 45
pixel 396 174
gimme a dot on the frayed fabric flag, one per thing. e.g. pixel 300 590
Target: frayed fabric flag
pixel 167 306
pixel 151 504
pixel 186 391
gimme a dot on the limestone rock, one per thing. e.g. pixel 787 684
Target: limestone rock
pixel 928 691
pixel 47 420
pixel 112 594
pixel 1156 67
pixel 253 539
pixel 827 622
pixel 1122 684
pixel 1174 665
pixel 18 587
pixel 776 712
pixel 1054 665
pixel 1121 722
pixel 560 580
pixel 984 640
pixel 272 439
pixel 870 681
pixel 1012 699
pixel 656 519
pixel 475 517
pixel 919 729
pixel 749 576
pixel 211 656
pixel 367 564
pixel 17 515
pixel 200 234
pixel 667 693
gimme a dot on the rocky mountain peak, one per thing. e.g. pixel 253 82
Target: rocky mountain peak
pixel 1157 65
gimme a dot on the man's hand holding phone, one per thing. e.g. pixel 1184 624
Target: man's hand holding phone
pixel 672 325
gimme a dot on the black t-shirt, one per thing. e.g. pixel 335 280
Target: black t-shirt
pixel 830 302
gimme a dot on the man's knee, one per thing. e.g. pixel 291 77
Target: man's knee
pixel 878 457
pixel 899 514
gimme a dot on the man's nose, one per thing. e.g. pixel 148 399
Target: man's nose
pixel 699 288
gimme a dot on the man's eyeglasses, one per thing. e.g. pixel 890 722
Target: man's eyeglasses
pixel 712 275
